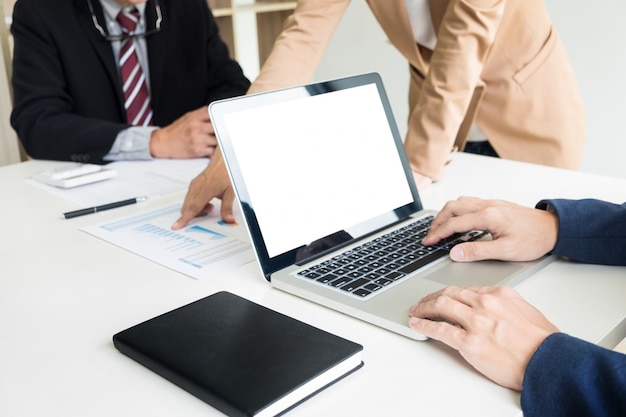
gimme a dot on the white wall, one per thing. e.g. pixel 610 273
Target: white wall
pixel 595 37
pixel 593 33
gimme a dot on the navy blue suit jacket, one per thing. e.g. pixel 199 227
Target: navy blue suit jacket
pixel 68 101
pixel 590 231
pixel 567 376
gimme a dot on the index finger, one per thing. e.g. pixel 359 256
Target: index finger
pixel 452 304
pixel 440 228
pixel 188 214
pixel 457 224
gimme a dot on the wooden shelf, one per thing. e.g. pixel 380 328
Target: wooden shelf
pixel 250 27
pixel 259 7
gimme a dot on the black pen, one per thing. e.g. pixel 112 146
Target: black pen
pixel 82 212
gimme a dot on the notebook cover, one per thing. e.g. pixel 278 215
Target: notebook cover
pixel 237 356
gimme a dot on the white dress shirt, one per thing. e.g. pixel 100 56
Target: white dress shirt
pixel 421 22
pixel 134 142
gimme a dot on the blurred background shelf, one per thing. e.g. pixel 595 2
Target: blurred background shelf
pixel 250 27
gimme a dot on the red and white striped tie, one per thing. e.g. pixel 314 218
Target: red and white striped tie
pixel 136 97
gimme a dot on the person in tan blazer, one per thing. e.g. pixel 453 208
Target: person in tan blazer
pixel 495 65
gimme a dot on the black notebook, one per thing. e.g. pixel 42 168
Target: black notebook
pixel 240 357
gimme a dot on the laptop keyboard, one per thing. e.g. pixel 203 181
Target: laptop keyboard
pixel 367 269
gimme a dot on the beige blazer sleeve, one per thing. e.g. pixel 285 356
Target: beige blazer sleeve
pixel 300 46
pixel 464 41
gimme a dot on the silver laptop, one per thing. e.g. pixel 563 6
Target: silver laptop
pixel 330 204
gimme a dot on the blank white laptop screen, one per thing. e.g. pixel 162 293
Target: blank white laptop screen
pixel 316 190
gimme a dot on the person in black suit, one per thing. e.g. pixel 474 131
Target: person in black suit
pixel 68 99
pixel 505 337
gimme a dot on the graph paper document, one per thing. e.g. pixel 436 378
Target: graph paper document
pixel 201 250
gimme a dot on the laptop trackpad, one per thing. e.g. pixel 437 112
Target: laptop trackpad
pixel 462 274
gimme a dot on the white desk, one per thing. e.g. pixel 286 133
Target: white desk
pixel 64 293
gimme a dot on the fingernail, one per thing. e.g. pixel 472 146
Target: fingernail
pixel 457 254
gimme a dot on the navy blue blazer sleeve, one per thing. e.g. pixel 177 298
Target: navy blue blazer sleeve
pixel 590 231
pixel 67 95
pixel 570 377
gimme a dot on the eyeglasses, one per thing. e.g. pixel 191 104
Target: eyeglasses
pixel 114 38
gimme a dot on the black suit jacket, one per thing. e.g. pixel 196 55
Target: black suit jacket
pixel 68 101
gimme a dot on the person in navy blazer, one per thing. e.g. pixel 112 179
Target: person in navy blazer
pixel 557 374
pixel 68 102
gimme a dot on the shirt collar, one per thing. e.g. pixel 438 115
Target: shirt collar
pixel 112 8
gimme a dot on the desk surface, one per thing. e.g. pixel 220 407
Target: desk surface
pixel 64 293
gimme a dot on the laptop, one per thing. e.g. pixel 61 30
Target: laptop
pixel 331 206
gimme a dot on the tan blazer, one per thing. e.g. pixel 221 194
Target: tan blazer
pixel 498 63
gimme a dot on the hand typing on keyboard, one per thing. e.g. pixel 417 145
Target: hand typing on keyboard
pixel 374 265
pixel 519 233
